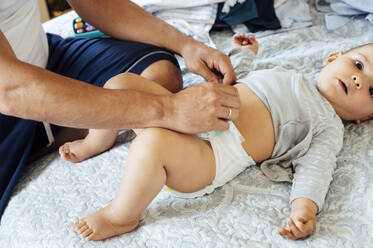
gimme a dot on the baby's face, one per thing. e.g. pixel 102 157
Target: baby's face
pixel 346 82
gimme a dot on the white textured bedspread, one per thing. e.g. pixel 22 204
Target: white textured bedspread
pixel 246 212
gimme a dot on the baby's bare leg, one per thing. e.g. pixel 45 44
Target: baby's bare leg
pixel 96 142
pixel 162 72
pixel 156 157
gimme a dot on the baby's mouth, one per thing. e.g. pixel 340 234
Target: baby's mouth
pixel 344 86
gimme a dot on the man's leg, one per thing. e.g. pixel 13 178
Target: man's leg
pixel 166 74
pixel 16 139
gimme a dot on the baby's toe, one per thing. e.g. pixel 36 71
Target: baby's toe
pixel 82 229
pixel 78 225
pixel 87 233
pixel 91 236
pixel 66 147
pixel 64 150
pixel 61 151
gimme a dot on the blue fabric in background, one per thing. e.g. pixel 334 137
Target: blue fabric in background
pixel 256 15
pixel 239 13
pixel 344 10
pixel 267 17
pixel 90 60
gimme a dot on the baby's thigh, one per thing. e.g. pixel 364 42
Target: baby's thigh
pixel 188 160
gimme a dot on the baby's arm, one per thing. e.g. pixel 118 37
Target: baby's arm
pixel 302 219
pixel 313 174
pixel 242 53
pixel 240 40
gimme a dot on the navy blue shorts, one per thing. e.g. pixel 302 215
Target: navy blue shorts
pixel 90 60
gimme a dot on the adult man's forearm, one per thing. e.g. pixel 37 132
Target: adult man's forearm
pixel 125 20
pixel 31 92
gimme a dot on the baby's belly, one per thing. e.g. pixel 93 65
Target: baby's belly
pixel 255 124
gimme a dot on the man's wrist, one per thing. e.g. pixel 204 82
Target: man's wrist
pixel 163 108
pixel 185 49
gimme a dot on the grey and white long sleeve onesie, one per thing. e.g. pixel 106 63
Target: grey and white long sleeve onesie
pixel 308 132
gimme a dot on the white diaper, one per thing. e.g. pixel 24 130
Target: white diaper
pixel 231 159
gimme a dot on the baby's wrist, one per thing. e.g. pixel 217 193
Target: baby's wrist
pixel 234 45
pixel 244 47
pixel 304 204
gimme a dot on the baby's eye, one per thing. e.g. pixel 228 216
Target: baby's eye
pixel 371 91
pixel 358 65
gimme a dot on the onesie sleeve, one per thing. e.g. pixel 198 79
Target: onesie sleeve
pixel 314 170
pixel 241 58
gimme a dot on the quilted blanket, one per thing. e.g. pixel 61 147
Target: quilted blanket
pixel 53 193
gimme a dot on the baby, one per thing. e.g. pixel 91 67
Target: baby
pixel 290 126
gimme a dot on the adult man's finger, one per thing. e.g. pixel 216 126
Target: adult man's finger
pixel 208 74
pixel 229 76
pixel 229 89
pixel 225 95
pixel 202 108
pixel 227 101
pixel 223 65
pixel 221 125
pixel 227 113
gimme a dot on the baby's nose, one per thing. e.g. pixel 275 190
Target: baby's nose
pixel 356 81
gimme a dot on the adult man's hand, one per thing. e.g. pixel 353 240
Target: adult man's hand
pixel 203 107
pixel 211 64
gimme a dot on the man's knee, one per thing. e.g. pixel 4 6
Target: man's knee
pixel 164 73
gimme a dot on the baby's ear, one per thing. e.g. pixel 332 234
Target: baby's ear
pixel 332 57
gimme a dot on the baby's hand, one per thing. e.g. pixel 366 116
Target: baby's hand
pixel 302 219
pixel 242 40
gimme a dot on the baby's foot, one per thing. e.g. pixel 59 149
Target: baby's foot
pixel 80 150
pixel 76 151
pixel 98 226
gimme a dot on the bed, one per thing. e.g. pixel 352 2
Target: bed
pixel 53 193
